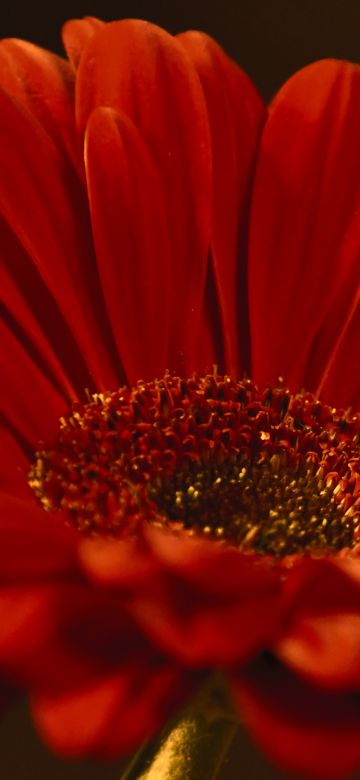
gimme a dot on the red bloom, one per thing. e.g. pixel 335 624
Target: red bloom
pixel 156 223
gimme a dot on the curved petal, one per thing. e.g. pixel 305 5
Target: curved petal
pixel 304 237
pixel 310 732
pixel 112 715
pixel 131 241
pixel 321 640
pixel 236 115
pixel 138 69
pixel 76 34
pixel 67 626
pixel 204 606
pixel 44 85
pixel 54 231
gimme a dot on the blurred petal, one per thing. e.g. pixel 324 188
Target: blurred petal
pixel 112 715
pixel 321 641
pixel 34 544
pixel 307 731
pixel 205 608
pixel 304 238
pixel 14 465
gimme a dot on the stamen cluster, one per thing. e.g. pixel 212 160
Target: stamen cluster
pixel 261 470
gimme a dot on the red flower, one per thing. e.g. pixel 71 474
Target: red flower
pixel 155 223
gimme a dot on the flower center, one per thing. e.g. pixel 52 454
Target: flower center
pixel 261 470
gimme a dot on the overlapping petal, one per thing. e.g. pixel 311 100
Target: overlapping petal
pixel 43 84
pixel 236 116
pixel 135 267
pixel 127 204
pixel 304 233
pixel 54 232
pixel 309 732
pixel 112 715
pixel 154 77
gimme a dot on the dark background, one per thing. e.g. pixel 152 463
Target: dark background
pixel 270 39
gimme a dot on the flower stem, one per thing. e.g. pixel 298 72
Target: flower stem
pixel 195 746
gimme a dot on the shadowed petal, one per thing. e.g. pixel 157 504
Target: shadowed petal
pixel 305 730
pixel 304 238
pixel 138 69
pixel 44 85
pixel 236 115
pixel 131 241
pixel 35 544
pixel 54 231
pixel 113 714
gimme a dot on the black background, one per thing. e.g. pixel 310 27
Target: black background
pixel 270 39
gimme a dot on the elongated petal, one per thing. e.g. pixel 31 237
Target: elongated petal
pixel 33 411
pixel 44 84
pixel 142 71
pixel 76 34
pixel 310 732
pixel 54 230
pixel 131 240
pixel 304 238
pixel 114 714
pixel 25 306
pixel 236 115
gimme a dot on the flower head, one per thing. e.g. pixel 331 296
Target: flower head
pixel 164 238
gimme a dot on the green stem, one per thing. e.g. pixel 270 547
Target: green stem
pixel 194 747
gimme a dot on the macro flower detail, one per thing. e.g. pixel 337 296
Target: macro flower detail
pixel 168 505
pixel 263 471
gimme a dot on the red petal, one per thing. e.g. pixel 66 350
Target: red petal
pixel 64 626
pixel 33 410
pixel 134 262
pixel 325 649
pixel 310 732
pixel 236 115
pixel 114 714
pixel 44 84
pixel 324 623
pixel 304 239
pixel 117 563
pixel 205 609
pixel 339 338
pixel 54 231
pixel 31 311
pixel 34 544
pixel 76 34
pixel 14 466
pixel 138 69
pixel 210 567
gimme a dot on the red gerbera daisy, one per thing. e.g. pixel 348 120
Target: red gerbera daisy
pixel 162 240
